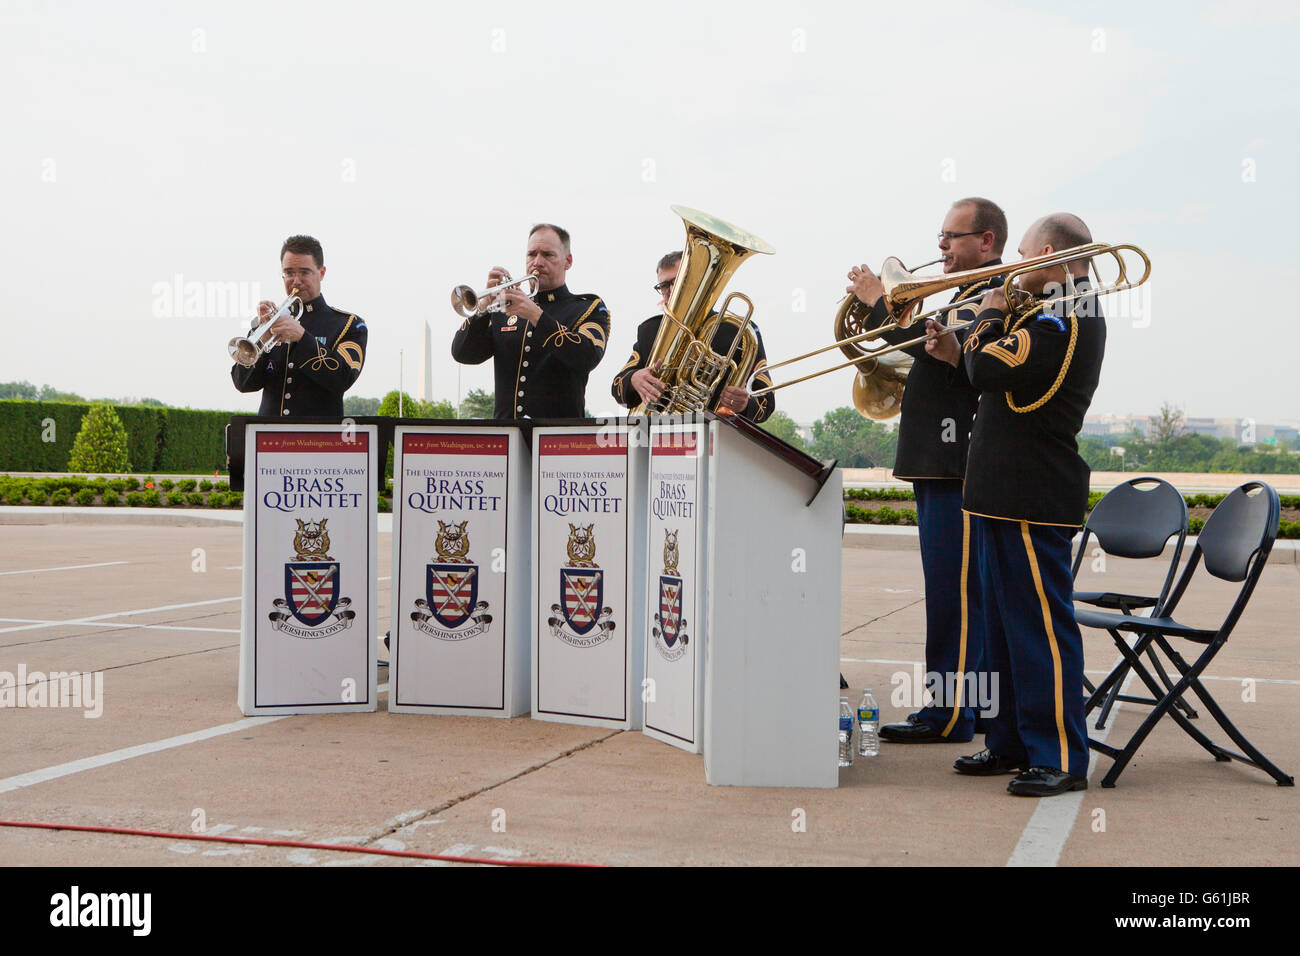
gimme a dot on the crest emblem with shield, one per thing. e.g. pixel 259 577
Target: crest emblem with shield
pixel 670 608
pixel 452 592
pixel 582 597
pixel 311 590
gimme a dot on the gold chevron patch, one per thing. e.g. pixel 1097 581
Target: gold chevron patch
pixel 352 355
pixel 1011 349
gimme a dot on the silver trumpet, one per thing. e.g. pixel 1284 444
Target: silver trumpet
pixel 466 301
pixel 246 350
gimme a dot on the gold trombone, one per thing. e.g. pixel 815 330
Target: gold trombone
pixel 904 291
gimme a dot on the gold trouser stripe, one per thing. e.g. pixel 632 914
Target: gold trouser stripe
pixel 965 621
pixel 1051 642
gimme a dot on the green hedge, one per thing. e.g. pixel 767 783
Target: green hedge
pixel 177 440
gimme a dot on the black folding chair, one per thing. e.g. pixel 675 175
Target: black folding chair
pixel 1132 522
pixel 1234 544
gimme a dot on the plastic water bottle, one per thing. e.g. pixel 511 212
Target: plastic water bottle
pixel 868 726
pixel 846 733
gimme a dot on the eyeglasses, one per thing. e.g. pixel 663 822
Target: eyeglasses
pixel 297 273
pixel 950 236
pixel 663 288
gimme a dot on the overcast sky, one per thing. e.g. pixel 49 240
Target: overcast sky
pixel 151 147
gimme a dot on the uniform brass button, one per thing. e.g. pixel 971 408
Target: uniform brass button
pixel 523 378
pixel 521 393
pixel 525 363
pixel 290 365
pixel 519 408
pixel 288 381
pixel 287 396
pixel 285 412
pixel 527 348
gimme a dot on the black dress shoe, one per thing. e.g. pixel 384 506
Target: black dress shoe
pixel 1045 782
pixel 915 731
pixel 987 764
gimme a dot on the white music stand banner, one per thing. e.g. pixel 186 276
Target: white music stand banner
pixel 675 565
pixel 308 618
pixel 585 481
pixel 460 588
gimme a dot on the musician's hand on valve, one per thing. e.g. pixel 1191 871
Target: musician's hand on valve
pixel 865 284
pixel 647 385
pixel 734 397
pixel 265 309
pixel 516 303
pixel 496 276
pixel 994 299
pixel 942 347
pixel 287 329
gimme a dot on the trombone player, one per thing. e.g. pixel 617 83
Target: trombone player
pixel 318 353
pixel 635 383
pixel 1036 368
pixel 543 347
pixel 933 437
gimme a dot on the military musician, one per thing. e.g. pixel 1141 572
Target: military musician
pixel 319 351
pixel 543 347
pixel 933 438
pixel 1036 368
pixel 636 383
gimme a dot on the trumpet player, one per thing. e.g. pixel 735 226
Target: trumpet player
pixel 318 352
pixel 1036 368
pixel 636 383
pixel 933 437
pixel 543 346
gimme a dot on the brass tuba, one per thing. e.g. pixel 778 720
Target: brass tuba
pixel 691 369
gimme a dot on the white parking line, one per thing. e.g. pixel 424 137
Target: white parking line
pixel 144 627
pixel 127 753
pixel 104 617
pixel 34 777
pixel 1049 828
pixel 70 567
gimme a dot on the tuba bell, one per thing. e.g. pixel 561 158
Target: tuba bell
pixel 691 370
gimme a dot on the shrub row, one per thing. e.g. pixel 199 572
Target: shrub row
pixel 39 436
pixel 86 492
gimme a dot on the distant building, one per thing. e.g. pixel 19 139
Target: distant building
pixel 1115 426
pixel 1241 430
pixel 1214 427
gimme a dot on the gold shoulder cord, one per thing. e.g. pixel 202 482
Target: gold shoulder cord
pixel 351 319
pixel 1065 365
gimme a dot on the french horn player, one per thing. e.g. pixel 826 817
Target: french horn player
pixel 933 441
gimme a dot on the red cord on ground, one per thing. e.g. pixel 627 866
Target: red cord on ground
pixel 297 844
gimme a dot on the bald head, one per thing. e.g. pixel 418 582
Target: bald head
pixel 1060 230
pixel 1054 233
